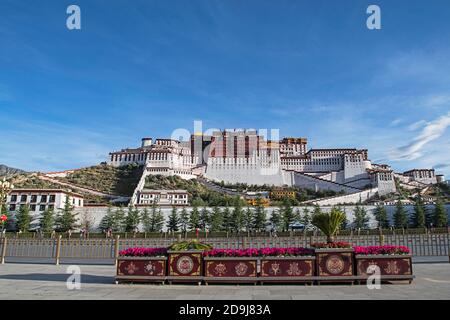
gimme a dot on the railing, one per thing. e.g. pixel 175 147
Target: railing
pixel 217 234
pixel 59 248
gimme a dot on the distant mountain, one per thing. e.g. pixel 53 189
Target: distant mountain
pixel 8 171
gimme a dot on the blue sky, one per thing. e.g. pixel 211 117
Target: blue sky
pixel 144 68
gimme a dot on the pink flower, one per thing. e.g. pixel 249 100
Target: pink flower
pixel 143 252
pixel 386 249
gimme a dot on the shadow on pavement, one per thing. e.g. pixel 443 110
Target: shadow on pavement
pixel 85 278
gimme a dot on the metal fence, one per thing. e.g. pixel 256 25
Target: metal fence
pixel 420 245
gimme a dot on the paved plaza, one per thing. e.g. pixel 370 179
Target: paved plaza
pixel 44 281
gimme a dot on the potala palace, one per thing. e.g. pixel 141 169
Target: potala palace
pixel 245 156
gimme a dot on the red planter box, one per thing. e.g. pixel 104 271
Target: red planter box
pixel 141 269
pixel 335 263
pixel 287 269
pixel 185 266
pixel 231 269
pixel 392 267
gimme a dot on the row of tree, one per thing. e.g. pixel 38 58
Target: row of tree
pixel 63 220
pixel 231 219
pixel 421 217
pixel 239 218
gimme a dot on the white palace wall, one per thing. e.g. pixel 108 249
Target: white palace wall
pixel 95 214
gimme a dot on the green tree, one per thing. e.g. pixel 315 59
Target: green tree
pixel 248 219
pixel 194 218
pixel 400 216
pixel 276 220
pixel 361 220
pixel 23 218
pixel 173 222
pixel 119 220
pixel 216 219
pixel 132 220
pixel 260 217
pixel 237 217
pixel 146 221
pixel 305 219
pixel 66 220
pixel 418 218
pixel 47 220
pixel 440 214
pixel 316 210
pixel 156 219
pixel 204 218
pixel 381 216
pixel 107 221
pixel 297 215
pixel 184 220
pixel 227 221
pixel 287 214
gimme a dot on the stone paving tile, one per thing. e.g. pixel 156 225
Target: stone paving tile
pixel 23 281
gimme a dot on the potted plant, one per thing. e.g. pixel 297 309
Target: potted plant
pixel 142 265
pixel 287 264
pixel 393 262
pixel 231 265
pixel 185 261
pixel 334 260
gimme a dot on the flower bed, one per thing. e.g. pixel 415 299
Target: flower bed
pixel 231 265
pixel 287 264
pixel 142 265
pixel 393 262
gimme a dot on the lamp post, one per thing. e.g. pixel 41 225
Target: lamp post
pixel 5 188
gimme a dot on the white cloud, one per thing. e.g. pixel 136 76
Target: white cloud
pixel 417 125
pixel 432 131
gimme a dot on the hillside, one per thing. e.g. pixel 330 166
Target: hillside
pixel 107 179
pixel 198 193
pixel 6 171
pixel 33 181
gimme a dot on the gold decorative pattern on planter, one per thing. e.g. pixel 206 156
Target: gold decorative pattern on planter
pixel 220 269
pixel 392 268
pixel 185 264
pixel 131 268
pixel 294 269
pixel 241 269
pixel 275 268
pixel 335 264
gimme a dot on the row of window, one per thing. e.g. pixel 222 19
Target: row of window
pixel 33 198
pixel 174 196
pixel 129 157
pixel 33 207
pixel 156 201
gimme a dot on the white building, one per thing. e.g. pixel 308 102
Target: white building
pixel 426 176
pixel 245 156
pixel 147 197
pixel 39 200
